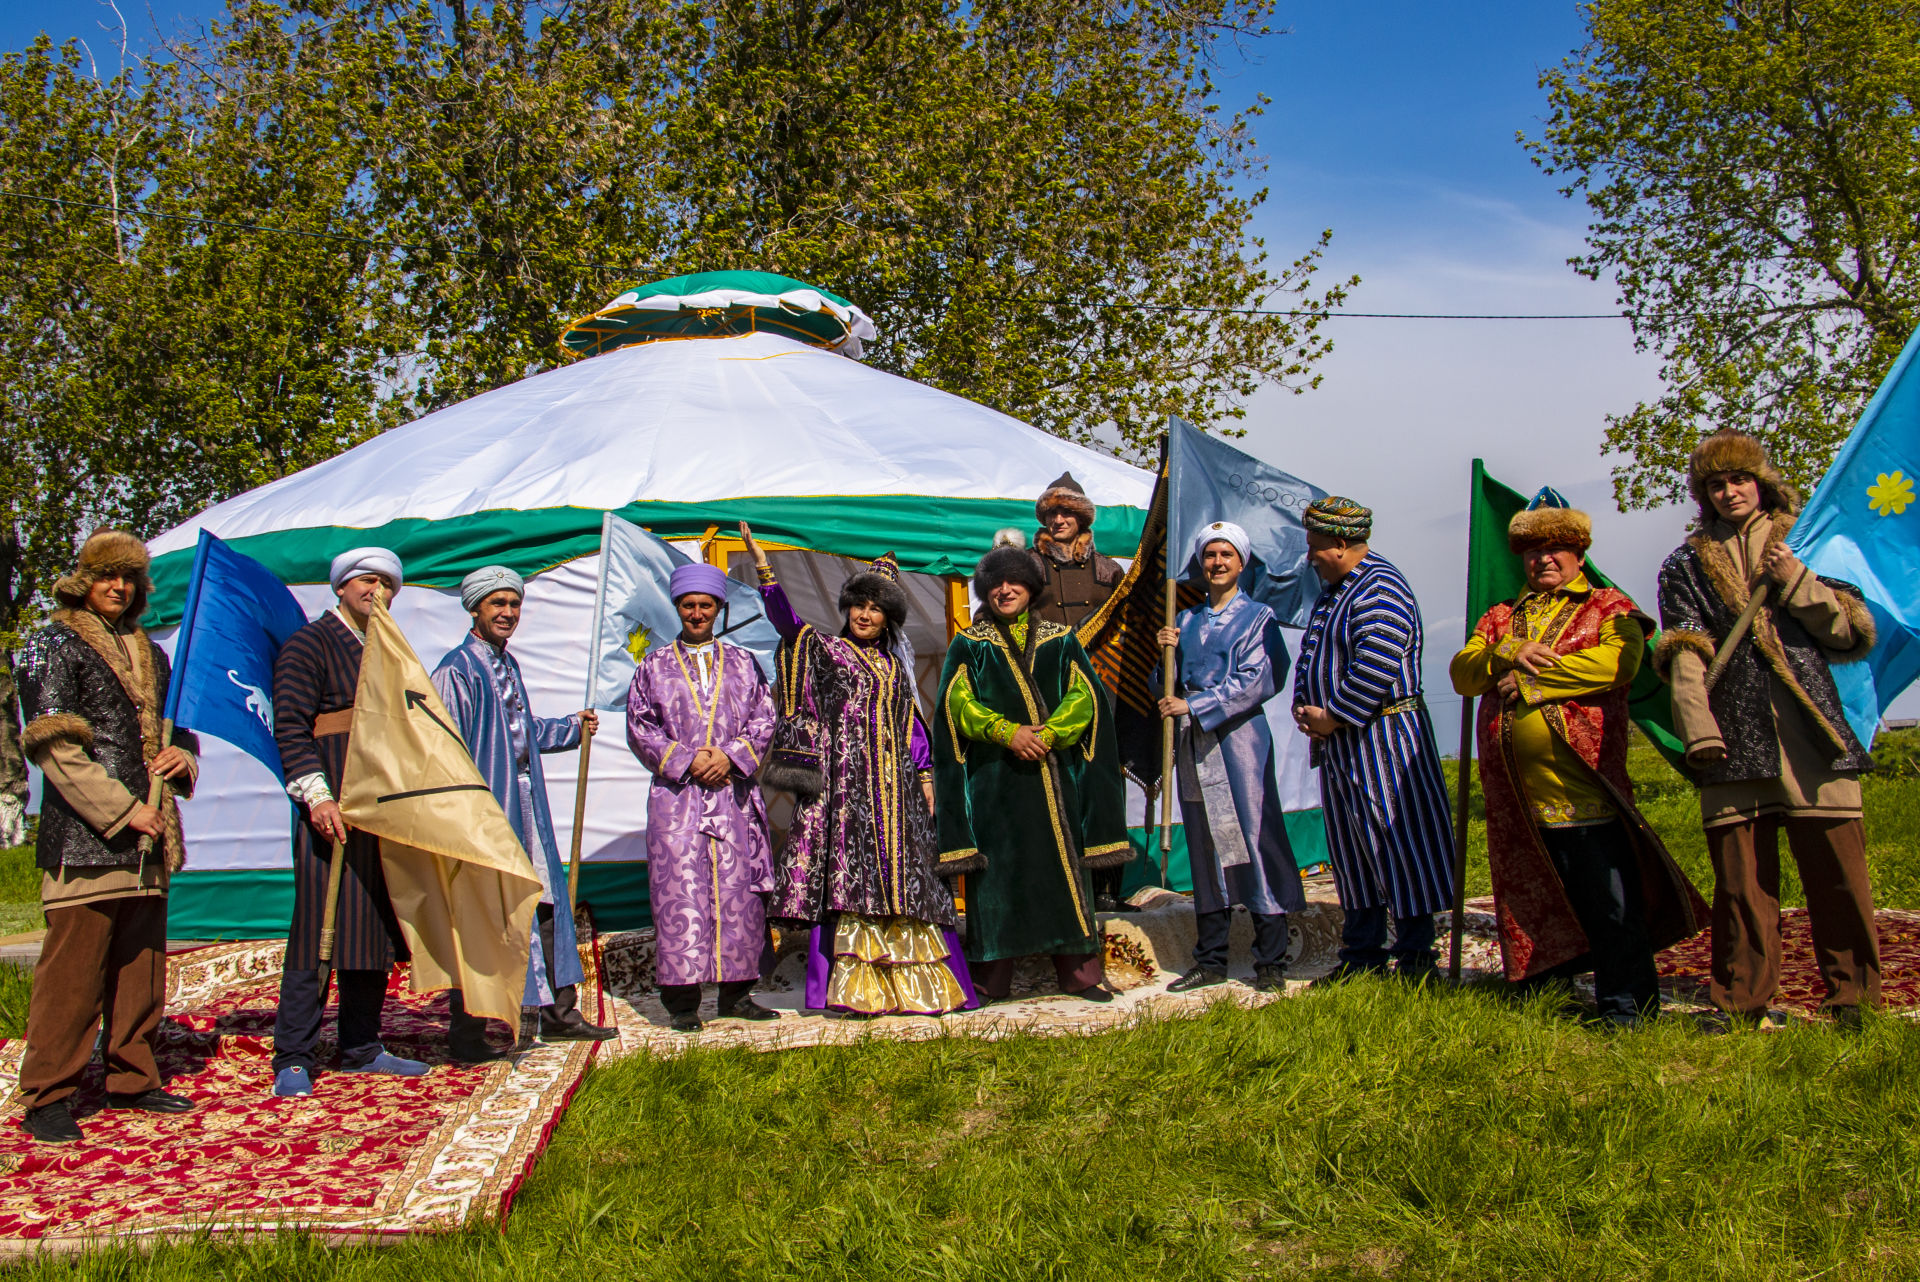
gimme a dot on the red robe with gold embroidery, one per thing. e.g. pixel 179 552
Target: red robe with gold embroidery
pixel 1538 928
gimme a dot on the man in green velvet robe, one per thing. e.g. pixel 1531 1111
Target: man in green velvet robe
pixel 1027 785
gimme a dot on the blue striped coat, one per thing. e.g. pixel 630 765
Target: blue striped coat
pixel 1386 810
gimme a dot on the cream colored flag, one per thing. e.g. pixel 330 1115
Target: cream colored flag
pixel 461 883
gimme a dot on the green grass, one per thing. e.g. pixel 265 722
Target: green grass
pixel 1371 1131
pixel 1366 1132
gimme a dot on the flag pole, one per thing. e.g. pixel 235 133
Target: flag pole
pixel 1463 772
pixel 1167 656
pixel 156 782
pixel 586 737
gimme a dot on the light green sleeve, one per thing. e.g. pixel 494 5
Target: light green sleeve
pixel 973 718
pixel 1075 713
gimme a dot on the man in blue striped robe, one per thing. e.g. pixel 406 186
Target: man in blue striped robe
pixel 1356 693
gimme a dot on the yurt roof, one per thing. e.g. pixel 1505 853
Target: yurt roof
pixel 816 450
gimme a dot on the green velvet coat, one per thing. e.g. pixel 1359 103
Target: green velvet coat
pixel 1032 825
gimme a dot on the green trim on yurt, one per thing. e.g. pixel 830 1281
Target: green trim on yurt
pixel 1306 830
pixel 255 903
pixel 928 535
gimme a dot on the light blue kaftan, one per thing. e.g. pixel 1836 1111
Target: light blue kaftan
pixel 1236 832
pixel 483 689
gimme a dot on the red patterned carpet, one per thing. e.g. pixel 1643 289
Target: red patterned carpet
pixel 363 1156
pixel 1689 965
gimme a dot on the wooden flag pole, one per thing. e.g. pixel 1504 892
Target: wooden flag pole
pixel 1166 738
pixel 330 914
pixel 156 783
pixel 579 816
pixel 1741 626
pixel 1464 775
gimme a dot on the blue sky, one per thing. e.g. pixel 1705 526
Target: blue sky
pixel 1393 123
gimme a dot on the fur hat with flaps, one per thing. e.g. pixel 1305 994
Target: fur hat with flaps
pixel 1549 521
pixel 878 585
pixel 1065 495
pixel 1731 451
pixel 108 552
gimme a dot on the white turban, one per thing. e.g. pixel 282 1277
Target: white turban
pixel 355 562
pixel 486 581
pixel 1224 532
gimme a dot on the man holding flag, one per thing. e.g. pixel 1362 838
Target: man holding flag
pixel 315 680
pixel 481 685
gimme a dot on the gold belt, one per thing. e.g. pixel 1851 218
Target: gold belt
pixel 1412 703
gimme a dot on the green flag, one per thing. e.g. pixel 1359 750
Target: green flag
pixel 1494 575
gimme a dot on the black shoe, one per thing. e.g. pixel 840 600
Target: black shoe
pixel 475 1052
pixel 1417 972
pixel 1112 904
pixel 685 1022
pixel 1197 977
pixel 153 1101
pixel 1093 993
pixel 580 1032
pixel 52 1124
pixel 1845 1018
pixel 1346 971
pixel 1270 979
pixel 747 1008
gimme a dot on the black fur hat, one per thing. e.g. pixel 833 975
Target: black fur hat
pixel 1008 565
pixel 876 589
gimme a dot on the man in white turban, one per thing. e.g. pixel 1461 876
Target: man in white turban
pixel 315 679
pixel 482 687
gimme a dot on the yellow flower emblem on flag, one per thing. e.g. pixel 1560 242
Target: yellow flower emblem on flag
pixel 639 641
pixel 1890 495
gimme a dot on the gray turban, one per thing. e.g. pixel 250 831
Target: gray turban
pixel 486 581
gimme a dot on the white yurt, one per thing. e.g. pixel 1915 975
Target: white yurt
pixel 697 403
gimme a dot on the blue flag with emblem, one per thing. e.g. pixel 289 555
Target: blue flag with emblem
pixel 1208 480
pixel 1863 525
pixel 236 617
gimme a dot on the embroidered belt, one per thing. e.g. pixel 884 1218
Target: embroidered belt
pixel 332 723
pixel 1412 703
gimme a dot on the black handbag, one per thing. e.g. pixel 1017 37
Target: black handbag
pixel 796 759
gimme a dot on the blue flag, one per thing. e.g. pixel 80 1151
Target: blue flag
pixel 1208 480
pixel 1863 525
pixel 632 612
pixel 236 618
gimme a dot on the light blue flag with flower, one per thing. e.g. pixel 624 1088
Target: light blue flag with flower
pixel 1863 525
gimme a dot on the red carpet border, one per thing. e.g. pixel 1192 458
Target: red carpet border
pixel 364 1157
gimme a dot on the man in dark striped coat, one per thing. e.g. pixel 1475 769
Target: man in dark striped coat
pixel 315 679
pixel 1356 693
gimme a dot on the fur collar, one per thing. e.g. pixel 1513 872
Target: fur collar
pixel 1065 553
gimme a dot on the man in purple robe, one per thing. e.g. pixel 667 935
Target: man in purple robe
pixel 699 715
pixel 482 687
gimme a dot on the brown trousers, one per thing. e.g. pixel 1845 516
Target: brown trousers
pixel 100 959
pixel 1832 857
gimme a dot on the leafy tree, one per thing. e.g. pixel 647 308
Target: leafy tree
pixel 1750 167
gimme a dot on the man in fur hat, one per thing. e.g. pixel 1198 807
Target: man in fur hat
pixel 1580 879
pixel 92 687
pixel 1768 743
pixel 1026 784
pixel 315 680
pixel 1075 582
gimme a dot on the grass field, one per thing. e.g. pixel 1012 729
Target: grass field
pixel 1371 1131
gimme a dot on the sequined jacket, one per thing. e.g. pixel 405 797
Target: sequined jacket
pixel 102 691
pixel 1701 596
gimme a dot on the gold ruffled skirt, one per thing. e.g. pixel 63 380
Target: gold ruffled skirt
pixel 891 965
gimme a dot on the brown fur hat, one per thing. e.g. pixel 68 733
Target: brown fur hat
pixel 1731 451
pixel 1065 495
pixel 108 551
pixel 1550 521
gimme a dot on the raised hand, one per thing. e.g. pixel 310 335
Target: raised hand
pixel 753 549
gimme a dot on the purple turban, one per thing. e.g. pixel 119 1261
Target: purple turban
pixel 698 577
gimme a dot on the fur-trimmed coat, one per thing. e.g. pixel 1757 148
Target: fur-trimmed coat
pixel 1079 579
pixel 1701 596
pixel 101 690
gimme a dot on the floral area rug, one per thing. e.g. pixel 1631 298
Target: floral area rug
pixel 1687 968
pixel 364 1156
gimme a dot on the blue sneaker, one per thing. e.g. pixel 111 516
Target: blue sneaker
pixel 292 1081
pixel 392 1066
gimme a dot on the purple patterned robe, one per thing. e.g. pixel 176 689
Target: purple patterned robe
pixel 710 863
pixel 866 845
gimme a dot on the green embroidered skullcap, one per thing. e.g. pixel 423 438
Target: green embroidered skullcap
pixel 1339 518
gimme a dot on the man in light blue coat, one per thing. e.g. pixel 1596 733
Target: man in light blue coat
pixel 481 685
pixel 1229 655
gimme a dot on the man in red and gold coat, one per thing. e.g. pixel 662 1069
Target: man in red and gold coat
pixel 1580 879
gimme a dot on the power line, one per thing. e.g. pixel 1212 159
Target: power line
pixel 626 268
